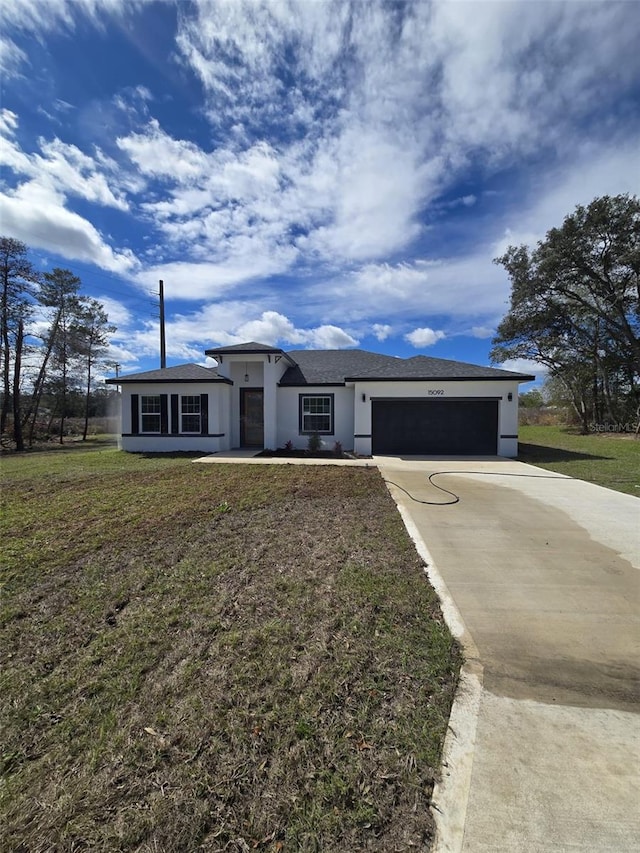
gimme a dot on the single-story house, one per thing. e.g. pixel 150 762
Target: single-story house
pixel 263 397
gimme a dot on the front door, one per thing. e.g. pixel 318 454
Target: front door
pixel 252 417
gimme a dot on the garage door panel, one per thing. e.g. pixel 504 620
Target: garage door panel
pixel 440 427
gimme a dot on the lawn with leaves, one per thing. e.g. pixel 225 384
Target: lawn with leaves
pixel 214 657
pixel 611 461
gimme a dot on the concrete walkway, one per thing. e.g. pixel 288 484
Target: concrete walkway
pixel 248 457
pixel 539 578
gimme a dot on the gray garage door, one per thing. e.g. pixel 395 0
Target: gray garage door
pixel 447 427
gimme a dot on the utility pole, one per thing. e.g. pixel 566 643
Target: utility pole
pixel 163 343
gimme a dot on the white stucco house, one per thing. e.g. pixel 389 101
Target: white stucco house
pixel 263 397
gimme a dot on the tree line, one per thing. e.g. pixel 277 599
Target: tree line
pixel 53 340
pixel 575 308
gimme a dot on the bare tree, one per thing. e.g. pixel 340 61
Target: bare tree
pixel 18 280
pixel 59 293
pixel 90 332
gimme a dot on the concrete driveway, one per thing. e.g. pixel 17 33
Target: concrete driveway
pixel 539 578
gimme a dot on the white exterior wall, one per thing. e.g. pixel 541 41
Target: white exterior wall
pixel 507 410
pixel 352 414
pixel 288 400
pixel 264 372
pixel 272 374
pixel 218 399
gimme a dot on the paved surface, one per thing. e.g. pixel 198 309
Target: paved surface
pixel 248 457
pixel 539 578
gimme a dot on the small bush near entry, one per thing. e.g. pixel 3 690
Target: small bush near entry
pixel 314 443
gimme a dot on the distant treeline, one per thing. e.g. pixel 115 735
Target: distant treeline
pixel 53 341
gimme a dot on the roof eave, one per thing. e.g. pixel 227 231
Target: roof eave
pixel 234 350
pixel 513 378
pixel 126 381
pixel 311 384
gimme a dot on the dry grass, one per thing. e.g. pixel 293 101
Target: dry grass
pixel 214 658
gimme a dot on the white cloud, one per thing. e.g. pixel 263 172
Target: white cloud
pixel 356 196
pixel 71 171
pixel 223 324
pixel 12 58
pixel 193 281
pixel 594 171
pixel 273 328
pixel 36 210
pixel 269 329
pixel 329 337
pixel 378 188
pixel 517 75
pixel 523 365
pixel 425 337
pixel 397 99
pixel 119 315
pixel 335 164
pixel 157 154
pixel 8 122
pixel 36 215
pixel 482 332
pixel 38 16
pixel 381 331
pixel 465 286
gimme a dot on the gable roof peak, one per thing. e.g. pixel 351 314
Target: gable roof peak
pixel 190 372
pixel 249 346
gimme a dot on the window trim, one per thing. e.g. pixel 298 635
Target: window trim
pixel 302 413
pixel 182 414
pixel 157 414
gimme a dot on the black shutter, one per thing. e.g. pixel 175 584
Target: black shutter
pixel 175 422
pixel 164 415
pixel 135 419
pixel 204 414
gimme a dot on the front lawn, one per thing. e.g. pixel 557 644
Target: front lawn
pixel 214 657
pixel 611 461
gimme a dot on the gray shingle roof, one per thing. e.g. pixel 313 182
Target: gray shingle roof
pixel 426 367
pixel 251 347
pixel 179 373
pixel 334 367
pixel 330 367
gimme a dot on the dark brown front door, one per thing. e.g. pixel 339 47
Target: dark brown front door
pixel 251 417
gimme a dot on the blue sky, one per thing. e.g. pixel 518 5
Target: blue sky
pixel 308 174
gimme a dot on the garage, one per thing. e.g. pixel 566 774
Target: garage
pixel 460 427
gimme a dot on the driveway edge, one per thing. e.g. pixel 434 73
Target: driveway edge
pixel 451 791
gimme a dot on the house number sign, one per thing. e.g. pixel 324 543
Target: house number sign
pixel 435 392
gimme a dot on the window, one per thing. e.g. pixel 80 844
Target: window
pixel 190 413
pixel 316 413
pixel 150 410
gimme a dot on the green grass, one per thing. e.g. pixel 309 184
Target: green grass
pixel 601 459
pixel 214 657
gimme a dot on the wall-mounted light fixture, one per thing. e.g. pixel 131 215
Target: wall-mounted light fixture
pixel 509 396
pixel 364 398
pixel 246 372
